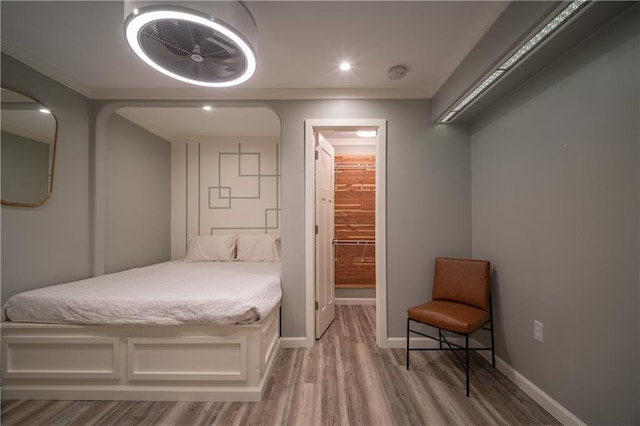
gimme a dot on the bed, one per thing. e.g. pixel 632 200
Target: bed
pixel 174 331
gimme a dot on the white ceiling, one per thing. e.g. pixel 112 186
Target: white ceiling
pixel 196 124
pixel 300 44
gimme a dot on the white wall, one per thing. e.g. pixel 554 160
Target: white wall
pixel 428 203
pixel 428 199
pixel 52 243
pixel 227 185
pixel 138 197
pixel 555 202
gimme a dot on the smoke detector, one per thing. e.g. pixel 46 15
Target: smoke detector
pixel 397 72
pixel 214 47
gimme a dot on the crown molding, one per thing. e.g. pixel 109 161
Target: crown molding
pixel 44 68
pixel 197 93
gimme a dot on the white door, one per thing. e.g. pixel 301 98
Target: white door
pixel 325 294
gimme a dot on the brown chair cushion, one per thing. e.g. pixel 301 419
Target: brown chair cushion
pixel 463 281
pixel 450 316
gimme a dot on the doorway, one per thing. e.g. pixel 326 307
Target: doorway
pixel 355 238
pixel 312 128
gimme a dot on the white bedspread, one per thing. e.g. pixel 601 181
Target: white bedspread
pixel 167 293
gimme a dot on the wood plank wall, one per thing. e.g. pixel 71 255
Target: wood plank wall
pixel 355 200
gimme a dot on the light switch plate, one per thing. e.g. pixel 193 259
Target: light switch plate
pixel 537 331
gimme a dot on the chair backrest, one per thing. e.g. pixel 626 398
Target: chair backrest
pixel 462 280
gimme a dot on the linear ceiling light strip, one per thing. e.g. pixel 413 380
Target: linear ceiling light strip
pixel 523 51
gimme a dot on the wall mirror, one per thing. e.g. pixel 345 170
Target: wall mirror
pixel 27 149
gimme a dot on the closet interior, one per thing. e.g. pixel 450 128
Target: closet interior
pixel 355 239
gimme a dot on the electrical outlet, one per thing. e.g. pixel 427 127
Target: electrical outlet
pixel 537 330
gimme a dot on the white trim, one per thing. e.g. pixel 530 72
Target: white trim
pixel 419 342
pixel 355 301
pixel 381 235
pixel 294 342
pixel 352 141
pixel 416 342
pixel 225 362
pixel 137 393
pixel 552 406
pixel 105 362
pixel 381 257
pixel 309 222
pixel 50 71
pixel 235 93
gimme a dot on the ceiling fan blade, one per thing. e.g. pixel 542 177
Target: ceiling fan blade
pixel 175 36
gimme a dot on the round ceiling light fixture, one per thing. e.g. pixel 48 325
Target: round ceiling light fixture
pixel 195 47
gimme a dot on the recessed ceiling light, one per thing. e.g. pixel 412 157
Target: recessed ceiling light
pixel 193 46
pixel 44 111
pixel 207 107
pixel 345 66
pixel 366 133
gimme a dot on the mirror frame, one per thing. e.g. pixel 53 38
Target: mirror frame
pixel 53 156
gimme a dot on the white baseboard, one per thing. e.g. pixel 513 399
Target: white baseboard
pixel 563 415
pixel 293 342
pixel 416 342
pixel 355 301
pixel 552 406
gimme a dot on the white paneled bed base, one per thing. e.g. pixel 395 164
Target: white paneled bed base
pixel 142 363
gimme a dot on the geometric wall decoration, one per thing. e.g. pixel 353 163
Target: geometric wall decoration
pixel 232 187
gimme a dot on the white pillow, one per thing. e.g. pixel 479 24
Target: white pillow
pixel 258 248
pixel 211 248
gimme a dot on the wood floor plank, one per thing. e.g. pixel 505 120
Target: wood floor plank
pixel 342 374
pixel 95 413
pixel 182 413
pixel 42 413
pixel 345 379
pixel 69 413
pixel 9 407
pixel 231 414
pixel 25 412
pixel 404 405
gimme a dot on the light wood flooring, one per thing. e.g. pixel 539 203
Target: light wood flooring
pixel 344 379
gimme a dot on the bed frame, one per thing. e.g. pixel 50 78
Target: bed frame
pixel 141 363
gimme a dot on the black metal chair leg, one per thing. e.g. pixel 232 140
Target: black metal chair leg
pixel 408 319
pixel 440 337
pixel 466 342
pixel 493 345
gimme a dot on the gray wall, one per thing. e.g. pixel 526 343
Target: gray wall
pixel 54 243
pixel 138 197
pixel 428 194
pixel 555 193
pixel 25 169
pixel 428 199
pixel 50 244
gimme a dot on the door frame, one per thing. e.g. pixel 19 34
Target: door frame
pixel 312 125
